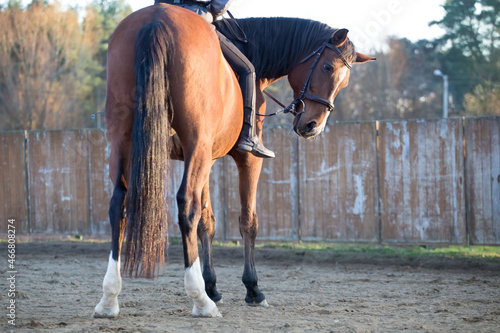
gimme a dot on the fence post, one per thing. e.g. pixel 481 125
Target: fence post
pixel 27 179
pixel 295 188
pixel 378 184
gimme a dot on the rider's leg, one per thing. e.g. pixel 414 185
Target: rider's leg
pixel 248 141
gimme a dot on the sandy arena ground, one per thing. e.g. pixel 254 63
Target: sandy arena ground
pixel 59 283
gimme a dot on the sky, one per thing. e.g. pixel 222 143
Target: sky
pixel 370 22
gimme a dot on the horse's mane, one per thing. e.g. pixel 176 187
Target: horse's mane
pixel 277 44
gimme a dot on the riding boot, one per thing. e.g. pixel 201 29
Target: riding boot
pixel 249 141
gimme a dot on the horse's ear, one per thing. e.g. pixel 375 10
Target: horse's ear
pixel 361 58
pixel 339 37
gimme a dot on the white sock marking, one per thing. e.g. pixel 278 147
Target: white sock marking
pixel 195 288
pixel 111 286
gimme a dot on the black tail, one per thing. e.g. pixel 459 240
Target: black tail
pixel 146 201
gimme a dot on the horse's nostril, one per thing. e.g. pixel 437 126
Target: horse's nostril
pixel 310 126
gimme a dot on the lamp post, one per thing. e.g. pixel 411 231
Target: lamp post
pixel 437 72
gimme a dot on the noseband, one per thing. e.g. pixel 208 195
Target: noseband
pixel 304 93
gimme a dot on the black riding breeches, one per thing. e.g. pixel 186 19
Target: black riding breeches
pixel 243 67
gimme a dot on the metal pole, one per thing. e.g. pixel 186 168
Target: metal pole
pixel 445 96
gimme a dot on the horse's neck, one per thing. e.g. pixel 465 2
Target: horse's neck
pixel 275 45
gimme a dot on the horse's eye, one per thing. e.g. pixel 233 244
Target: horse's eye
pixel 328 68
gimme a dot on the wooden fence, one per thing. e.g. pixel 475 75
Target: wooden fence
pixel 412 182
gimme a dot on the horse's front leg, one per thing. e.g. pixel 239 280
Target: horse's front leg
pixel 206 232
pixel 196 171
pixel 112 283
pixel 249 168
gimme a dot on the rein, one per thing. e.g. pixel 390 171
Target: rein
pixel 239 34
pixel 275 101
pixel 304 93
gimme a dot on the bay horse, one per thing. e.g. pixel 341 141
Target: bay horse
pixel 171 95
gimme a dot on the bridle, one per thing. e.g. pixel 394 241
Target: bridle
pixel 304 93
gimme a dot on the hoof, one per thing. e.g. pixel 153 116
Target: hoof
pixel 263 304
pixel 102 312
pixel 214 295
pixel 255 297
pixel 210 311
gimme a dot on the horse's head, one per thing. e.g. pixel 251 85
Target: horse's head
pixel 318 78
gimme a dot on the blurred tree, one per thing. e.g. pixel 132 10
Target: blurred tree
pixel 399 85
pixel 472 56
pixel 14 4
pixel 101 19
pixel 52 69
pixel 39 49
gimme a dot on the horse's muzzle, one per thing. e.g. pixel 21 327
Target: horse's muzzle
pixel 310 129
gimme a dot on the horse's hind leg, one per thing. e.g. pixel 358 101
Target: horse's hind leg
pixel 206 232
pixel 196 171
pixel 249 170
pixel 108 306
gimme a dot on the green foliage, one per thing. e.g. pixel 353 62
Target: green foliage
pixel 472 27
pixel 471 55
pixel 14 4
pixel 100 21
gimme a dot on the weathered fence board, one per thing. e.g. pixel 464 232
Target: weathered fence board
pixel 277 206
pixel 230 186
pixel 175 170
pixel 421 174
pixel 58 180
pixel 13 196
pixel 218 196
pixel 101 186
pixel 483 179
pixel 338 184
pixel 323 189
